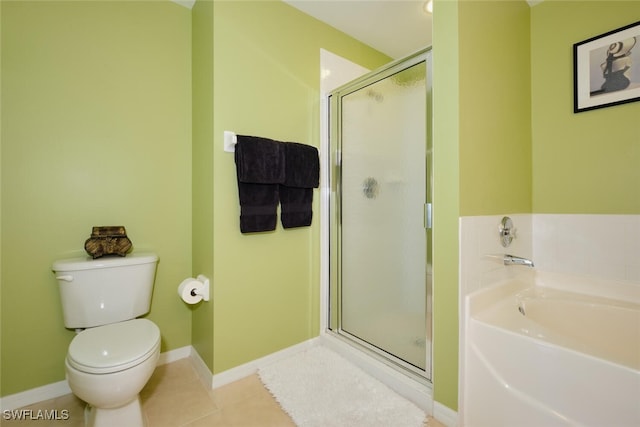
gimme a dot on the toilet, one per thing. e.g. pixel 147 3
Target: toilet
pixel 114 353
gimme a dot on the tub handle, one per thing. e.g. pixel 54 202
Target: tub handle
pixel 507 231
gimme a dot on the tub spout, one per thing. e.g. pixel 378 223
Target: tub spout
pixel 516 260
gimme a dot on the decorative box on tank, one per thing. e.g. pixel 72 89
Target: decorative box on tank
pixel 110 240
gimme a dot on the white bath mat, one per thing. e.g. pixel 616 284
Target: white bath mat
pixel 319 388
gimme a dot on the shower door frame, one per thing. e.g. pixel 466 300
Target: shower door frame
pixel 334 309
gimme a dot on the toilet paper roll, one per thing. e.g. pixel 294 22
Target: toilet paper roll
pixel 189 289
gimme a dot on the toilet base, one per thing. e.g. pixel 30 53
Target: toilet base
pixel 129 415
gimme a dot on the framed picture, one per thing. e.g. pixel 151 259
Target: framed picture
pixel 606 69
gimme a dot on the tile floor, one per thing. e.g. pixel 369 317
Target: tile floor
pixel 175 397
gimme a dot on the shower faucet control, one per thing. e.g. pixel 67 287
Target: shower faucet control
pixel 516 260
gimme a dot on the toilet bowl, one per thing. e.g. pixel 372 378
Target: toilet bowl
pixel 107 367
pixel 111 360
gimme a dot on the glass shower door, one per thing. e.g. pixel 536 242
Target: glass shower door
pixel 382 233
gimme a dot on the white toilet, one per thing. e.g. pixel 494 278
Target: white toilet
pixel 110 361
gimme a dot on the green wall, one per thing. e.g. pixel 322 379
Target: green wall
pixel 96 130
pixel 482 145
pixel 509 141
pixel 495 108
pixel 446 201
pixel 487 160
pixel 587 162
pixel 529 152
pixel 1 198
pixel 202 163
pixel 80 99
pixel 266 83
pixel 99 98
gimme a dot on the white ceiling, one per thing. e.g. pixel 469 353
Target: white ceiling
pixel 394 27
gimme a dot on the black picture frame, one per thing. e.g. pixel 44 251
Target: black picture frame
pixel 606 69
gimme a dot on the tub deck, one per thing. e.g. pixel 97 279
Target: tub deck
pixel 601 327
pixel 543 356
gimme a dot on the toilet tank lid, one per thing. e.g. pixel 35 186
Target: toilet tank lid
pixel 87 263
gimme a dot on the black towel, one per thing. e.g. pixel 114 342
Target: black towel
pixel 260 169
pixel 302 175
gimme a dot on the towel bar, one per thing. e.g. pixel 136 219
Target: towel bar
pixel 230 140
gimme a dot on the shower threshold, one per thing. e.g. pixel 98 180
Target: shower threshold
pixel 395 374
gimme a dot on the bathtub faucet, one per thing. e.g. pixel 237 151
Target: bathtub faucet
pixel 516 260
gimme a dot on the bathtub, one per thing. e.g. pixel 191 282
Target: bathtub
pixel 539 353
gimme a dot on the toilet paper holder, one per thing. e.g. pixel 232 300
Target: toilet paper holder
pixel 198 287
pixel 204 290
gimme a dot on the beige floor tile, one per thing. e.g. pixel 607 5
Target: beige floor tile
pixel 245 388
pixel 68 409
pixel 177 404
pixel 168 376
pixel 175 397
pixel 253 411
pixel 432 422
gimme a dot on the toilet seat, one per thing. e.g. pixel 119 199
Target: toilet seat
pixel 114 347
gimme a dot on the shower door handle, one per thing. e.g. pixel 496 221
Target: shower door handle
pixel 428 218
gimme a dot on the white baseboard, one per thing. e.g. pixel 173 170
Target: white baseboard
pixel 61 388
pixel 34 395
pixel 252 367
pixel 445 415
pixel 203 371
pixel 175 354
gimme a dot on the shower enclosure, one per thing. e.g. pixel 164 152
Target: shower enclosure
pixel 380 214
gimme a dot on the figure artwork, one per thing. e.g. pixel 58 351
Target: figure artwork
pixel 615 69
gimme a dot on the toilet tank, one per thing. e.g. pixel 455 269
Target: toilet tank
pixel 106 290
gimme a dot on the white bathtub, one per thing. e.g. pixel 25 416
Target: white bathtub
pixel 541 355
